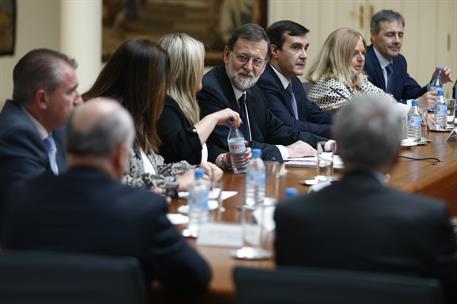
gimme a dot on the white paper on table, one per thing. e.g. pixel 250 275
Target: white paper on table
pixel 177 219
pixel 311 162
pixel 220 235
pixel 212 195
pixel 268 221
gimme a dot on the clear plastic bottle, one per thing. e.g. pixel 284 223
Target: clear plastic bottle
pixel 237 149
pixel 436 81
pixel 414 121
pixel 291 192
pixel 255 180
pixel 440 109
pixel 198 202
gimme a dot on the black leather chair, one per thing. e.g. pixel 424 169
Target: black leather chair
pixel 319 286
pixel 51 278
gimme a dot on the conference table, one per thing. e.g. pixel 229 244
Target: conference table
pixel 431 172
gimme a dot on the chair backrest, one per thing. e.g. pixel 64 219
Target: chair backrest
pixel 320 286
pixel 51 278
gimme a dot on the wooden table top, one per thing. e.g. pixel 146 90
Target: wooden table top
pixel 428 177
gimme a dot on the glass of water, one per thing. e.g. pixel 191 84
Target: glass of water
pixel 450 112
pixel 325 152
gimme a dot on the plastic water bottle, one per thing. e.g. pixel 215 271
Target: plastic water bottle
pixel 291 192
pixel 436 81
pixel 440 111
pixel 414 121
pixel 255 180
pixel 237 149
pixel 198 202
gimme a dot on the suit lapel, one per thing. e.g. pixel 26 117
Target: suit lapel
pixel 284 95
pixel 377 68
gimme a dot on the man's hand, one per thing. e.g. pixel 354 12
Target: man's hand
pixel 446 75
pixel 300 149
pixel 427 101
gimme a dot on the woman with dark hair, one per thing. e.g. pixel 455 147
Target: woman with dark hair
pixel 137 75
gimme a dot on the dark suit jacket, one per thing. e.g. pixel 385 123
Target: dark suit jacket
pixel 179 141
pixel 266 129
pixel 310 117
pixel 360 224
pixel 22 151
pixel 86 211
pixel 405 87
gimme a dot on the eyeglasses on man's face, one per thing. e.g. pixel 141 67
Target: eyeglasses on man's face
pixel 244 59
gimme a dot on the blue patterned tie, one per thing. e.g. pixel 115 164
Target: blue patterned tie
pixel 390 84
pixel 293 101
pixel 52 150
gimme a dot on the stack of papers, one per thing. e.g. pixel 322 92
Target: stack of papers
pixel 311 162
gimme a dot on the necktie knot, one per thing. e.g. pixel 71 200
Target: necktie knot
pixel 389 69
pixel 50 144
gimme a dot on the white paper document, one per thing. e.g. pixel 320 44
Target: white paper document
pixel 177 219
pixel 212 195
pixel 311 162
pixel 220 235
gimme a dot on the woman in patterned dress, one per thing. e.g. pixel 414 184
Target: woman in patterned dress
pixel 338 74
pixel 137 75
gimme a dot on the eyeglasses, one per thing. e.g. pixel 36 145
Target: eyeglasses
pixel 243 59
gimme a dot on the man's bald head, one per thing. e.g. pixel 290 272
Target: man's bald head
pixel 97 127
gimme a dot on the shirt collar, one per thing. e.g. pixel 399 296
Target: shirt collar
pixel 284 81
pixel 382 60
pixel 41 130
pixel 237 93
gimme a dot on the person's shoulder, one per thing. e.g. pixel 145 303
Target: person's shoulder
pixel 140 199
pixel 13 119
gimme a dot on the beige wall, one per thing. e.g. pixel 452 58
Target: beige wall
pixel 430 32
pixel 38 24
pixel 69 26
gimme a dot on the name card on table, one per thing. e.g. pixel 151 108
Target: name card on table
pixel 452 136
pixel 220 235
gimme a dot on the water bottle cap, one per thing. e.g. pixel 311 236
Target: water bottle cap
pixel 440 68
pixel 199 173
pixel 440 91
pixel 256 153
pixel 291 192
pixel 414 102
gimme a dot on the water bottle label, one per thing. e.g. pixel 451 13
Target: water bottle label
pixel 237 145
pixel 415 121
pixel 441 109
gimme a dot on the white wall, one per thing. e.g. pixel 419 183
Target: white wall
pixel 38 25
pixel 70 26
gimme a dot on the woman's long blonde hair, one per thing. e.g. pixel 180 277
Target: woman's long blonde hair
pixel 187 62
pixel 335 59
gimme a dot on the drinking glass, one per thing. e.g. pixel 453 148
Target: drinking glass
pixel 273 173
pixel 325 153
pixel 254 234
pixel 450 112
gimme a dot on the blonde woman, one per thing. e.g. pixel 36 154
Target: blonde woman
pixel 181 131
pixel 338 74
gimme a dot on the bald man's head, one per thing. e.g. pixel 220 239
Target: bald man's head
pixel 97 127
